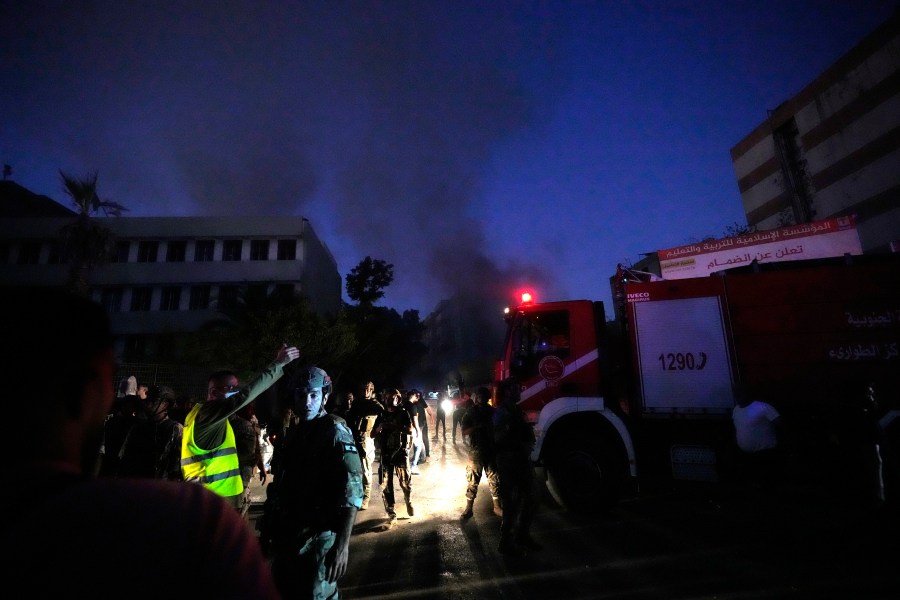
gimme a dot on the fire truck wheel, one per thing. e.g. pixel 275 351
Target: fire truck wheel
pixel 584 475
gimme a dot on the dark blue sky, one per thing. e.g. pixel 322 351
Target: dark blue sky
pixel 477 146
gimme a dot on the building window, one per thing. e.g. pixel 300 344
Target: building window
pixel 140 298
pixel 287 249
pixel 259 250
pixel 29 253
pixel 120 252
pixel 203 250
pixel 112 299
pixel 228 296
pixel 231 250
pixel 199 297
pixel 175 251
pixel 147 251
pixel 171 298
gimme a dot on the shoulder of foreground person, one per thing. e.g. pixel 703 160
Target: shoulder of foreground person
pixel 139 538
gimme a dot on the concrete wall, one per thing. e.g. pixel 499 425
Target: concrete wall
pixel 846 147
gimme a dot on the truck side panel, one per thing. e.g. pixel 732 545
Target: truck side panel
pixel 804 337
pixel 680 347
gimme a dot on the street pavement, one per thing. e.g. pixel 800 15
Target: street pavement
pixel 438 491
pixel 682 541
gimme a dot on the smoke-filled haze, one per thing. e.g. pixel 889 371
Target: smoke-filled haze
pixel 476 146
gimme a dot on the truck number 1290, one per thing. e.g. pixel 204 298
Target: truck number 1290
pixel 679 361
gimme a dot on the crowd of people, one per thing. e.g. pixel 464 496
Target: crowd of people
pixel 124 469
pixel 339 440
pixel 391 428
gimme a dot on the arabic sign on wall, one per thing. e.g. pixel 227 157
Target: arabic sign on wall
pixel 819 239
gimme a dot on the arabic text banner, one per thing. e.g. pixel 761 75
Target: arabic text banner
pixel 820 239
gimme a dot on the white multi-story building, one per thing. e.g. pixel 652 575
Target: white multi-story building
pixel 833 149
pixel 170 275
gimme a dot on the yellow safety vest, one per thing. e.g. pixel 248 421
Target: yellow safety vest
pixel 217 468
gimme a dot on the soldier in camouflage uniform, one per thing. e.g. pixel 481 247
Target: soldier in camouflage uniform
pixel 361 419
pixel 393 434
pixel 312 501
pixel 514 440
pixel 478 425
pixel 249 448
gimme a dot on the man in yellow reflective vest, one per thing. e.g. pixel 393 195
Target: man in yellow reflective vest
pixel 208 449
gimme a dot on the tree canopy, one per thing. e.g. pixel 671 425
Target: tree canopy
pixel 367 280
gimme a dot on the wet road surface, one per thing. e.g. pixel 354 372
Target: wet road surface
pixel 689 541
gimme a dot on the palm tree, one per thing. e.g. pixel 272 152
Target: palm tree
pixel 85 242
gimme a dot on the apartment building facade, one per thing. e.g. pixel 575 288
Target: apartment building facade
pixel 833 149
pixel 170 275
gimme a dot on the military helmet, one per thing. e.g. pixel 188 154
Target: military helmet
pixel 160 393
pixel 313 377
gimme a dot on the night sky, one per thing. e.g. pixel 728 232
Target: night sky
pixel 476 146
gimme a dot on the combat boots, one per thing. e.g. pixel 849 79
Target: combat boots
pixel 498 510
pixel 389 507
pixel 468 510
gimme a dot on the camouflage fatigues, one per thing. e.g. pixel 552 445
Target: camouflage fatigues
pixel 249 450
pixel 318 474
pixel 478 424
pixel 514 439
pixel 361 419
pixel 394 442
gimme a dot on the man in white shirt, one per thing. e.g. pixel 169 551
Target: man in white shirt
pixel 758 428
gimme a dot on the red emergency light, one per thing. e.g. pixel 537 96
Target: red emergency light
pixel 525 297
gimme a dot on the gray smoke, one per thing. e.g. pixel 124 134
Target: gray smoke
pixel 377 121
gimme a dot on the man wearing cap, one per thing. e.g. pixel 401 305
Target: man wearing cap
pixel 315 493
pixel 208 448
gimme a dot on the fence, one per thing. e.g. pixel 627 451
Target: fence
pixel 187 381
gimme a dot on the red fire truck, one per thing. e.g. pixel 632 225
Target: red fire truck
pixel 648 396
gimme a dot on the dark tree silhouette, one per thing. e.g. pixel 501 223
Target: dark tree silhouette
pixel 367 280
pixel 85 242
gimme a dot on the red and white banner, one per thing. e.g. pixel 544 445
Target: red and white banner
pixel 819 239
